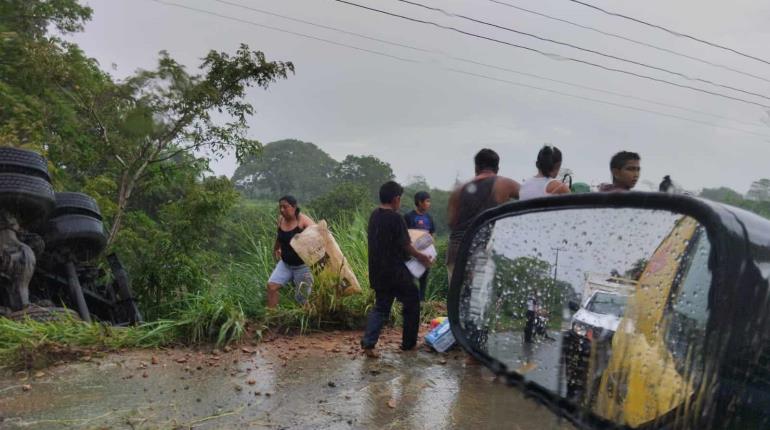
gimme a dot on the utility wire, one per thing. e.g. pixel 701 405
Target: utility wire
pixel 590 99
pixel 207 12
pixel 628 39
pixel 350 33
pixel 670 31
pixel 478 63
pixel 580 48
pixel 552 55
pixel 306 36
pixel 614 93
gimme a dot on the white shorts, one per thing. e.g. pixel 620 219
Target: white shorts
pixel 300 276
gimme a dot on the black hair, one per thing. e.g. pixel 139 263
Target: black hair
pixel 548 157
pixel 292 201
pixel 621 158
pixel 420 197
pixel 389 191
pixel 487 159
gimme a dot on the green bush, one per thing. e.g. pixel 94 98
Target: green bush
pixel 343 201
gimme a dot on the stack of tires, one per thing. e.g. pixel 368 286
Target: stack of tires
pixel 66 232
pixel 25 186
pixel 75 228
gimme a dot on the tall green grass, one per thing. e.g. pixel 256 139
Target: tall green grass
pixel 234 296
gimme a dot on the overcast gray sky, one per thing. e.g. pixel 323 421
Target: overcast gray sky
pixel 425 118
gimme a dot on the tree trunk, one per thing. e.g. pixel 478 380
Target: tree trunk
pixel 127 184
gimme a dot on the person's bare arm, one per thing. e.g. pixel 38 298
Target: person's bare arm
pixel 506 189
pixel 557 187
pixel 305 221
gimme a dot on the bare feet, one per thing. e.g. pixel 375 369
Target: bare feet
pixel 371 353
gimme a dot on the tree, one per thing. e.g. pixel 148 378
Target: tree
pixel 34 68
pixel 155 116
pixel 520 279
pixel 732 197
pixel 722 194
pixel 56 100
pixel 286 167
pixel 759 191
pixel 341 202
pixel 365 170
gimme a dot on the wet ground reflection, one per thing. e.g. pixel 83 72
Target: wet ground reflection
pixel 315 390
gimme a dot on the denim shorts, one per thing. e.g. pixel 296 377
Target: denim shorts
pixel 300 276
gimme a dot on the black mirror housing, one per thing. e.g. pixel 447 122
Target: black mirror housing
pixel 739 242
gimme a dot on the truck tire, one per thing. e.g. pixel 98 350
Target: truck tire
pixel 15 160
pixel 76 203
pixel 82 236
pixel 29 198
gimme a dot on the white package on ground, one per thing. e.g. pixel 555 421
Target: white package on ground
pixel 441 337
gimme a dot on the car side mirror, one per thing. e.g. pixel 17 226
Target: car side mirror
pixel 636 350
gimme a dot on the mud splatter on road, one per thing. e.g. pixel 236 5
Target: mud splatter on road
pixel 319 381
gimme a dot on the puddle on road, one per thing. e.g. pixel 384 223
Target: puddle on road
pixel 415 390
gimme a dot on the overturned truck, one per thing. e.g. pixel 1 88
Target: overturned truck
pixel 51 250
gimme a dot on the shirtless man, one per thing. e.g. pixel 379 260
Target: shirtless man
pixel 484 191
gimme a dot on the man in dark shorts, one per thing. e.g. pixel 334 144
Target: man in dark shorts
pixel 625 170
pixel 389 249
pixel 420 219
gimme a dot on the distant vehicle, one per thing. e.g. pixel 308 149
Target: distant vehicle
pixel 598 316
pixel 602 312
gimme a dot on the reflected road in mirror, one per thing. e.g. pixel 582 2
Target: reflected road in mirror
pixel 605 307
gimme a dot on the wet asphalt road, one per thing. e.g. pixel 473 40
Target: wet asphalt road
pixel 267 388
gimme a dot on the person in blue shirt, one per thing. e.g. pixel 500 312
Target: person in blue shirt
pixel 420 219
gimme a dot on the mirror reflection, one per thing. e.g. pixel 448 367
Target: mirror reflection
pixel 605 307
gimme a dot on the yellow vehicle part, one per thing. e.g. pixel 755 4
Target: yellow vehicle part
pixel 640 382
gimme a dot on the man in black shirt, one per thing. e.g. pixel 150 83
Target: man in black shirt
pixel 389 249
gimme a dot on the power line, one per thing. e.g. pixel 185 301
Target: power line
pixel 614 93
pixel 469 61
pixel 265 12
pixel 593 100
pixel 208 12
pixel 552 55
pixel 469 73
pixel 628 39
pixel 670 31
pixel 580 48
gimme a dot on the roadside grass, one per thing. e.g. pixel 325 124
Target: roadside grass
pixel 229 307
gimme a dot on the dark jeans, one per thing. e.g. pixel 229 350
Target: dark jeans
pixel 383 302
pixel 424 284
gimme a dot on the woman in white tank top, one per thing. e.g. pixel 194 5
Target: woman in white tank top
pixel 544 183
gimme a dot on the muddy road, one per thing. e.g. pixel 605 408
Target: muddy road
pixel 318 381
